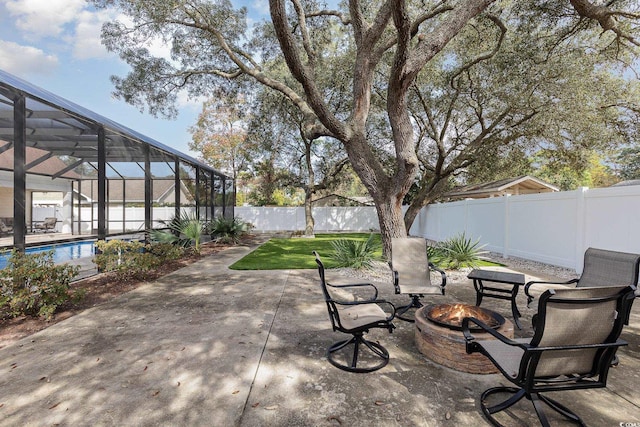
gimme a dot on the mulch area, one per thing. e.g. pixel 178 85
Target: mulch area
pixel 98 289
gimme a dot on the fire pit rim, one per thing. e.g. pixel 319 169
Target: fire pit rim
pixel 499 319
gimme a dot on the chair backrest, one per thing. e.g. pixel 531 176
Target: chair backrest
pixel 609 268
pixel 334 314
pixel 577 317
pixel 50 221
pixel 409 259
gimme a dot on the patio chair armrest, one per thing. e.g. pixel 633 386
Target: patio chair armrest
pixel 433 267
pixel 617 343
pixel 391 309
pixel 395 277
pixel 472 347
pixel 530 297
pixel 359 285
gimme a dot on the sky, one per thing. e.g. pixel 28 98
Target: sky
pixel 55 44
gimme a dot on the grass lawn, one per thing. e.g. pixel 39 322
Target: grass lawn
pixel 296 252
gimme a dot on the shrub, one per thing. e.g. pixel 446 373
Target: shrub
pixel 185 230
pixel 354 253
pixel 228 230
pixel 457 252
pixel 134 260
pixel 32 284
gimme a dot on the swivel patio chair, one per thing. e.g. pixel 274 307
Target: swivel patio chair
pixel 411 268
pixel 355 316
pixel 572 348
pixel 602 268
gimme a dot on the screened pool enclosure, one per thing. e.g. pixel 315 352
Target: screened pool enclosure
pixel 95 176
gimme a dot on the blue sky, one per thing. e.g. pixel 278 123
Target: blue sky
pixel 55 44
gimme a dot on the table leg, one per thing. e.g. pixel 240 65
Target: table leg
pixel 514 307
pixel 477 283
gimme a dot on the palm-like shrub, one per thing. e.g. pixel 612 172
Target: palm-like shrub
pixel 185 230
pixel 228 230
pixel 354 253
pixel 457 252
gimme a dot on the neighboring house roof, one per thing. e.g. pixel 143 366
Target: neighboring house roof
pixel 627 183
pixel 337 200
pixel 513 186
pixel 133 191
pixel 43 162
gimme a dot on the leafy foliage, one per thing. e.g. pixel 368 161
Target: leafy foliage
pixel 486 76
pixel 32 284
pixel 228 230
pixel 185 230
pixel 355 253
pixel 133 260
pixel 457 252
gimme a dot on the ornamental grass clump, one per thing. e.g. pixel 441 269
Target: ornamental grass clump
pixel 228 230
pixel 185 230
pixel 354 253
pixel 457 252
pixel 33 285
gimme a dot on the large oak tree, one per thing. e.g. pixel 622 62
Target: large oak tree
pixel 388 40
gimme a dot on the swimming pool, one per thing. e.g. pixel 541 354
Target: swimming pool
pixel 62 252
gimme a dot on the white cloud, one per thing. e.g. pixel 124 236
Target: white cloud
pixel 86 40
pixel 261 7
pixel 43 18
pixel 184 101
pixel 20 60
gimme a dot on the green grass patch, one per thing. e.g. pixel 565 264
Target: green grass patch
pixel 296 252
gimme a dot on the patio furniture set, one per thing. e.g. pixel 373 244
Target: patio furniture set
pixel 576 329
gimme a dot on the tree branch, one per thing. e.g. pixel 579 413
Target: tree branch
pixel 606 18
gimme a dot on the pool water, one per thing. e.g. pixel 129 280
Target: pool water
pixel 63 252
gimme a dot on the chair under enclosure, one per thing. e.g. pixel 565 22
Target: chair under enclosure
pixel 575 340
pixel 602 268
pixel 355 314
pixel 411 270
pixel 49 224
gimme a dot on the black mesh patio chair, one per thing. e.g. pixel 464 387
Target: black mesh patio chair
pixel 602 268
pixel 354 315
pixel 411 269
pixel 572 348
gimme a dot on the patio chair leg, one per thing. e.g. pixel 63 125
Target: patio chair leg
pixel 415 303
pixel 358 342
pixel 517 394
pixel 561 409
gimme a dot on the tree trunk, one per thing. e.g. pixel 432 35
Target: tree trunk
pixel 308 193
pixel 308 215
pixel 391 222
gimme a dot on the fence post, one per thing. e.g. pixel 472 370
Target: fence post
pixel 581 225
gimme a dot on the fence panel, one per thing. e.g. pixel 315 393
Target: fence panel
pixel 554 228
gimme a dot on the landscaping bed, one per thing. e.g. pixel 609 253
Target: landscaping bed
pixel 98 289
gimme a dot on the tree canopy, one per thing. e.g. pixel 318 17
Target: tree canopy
pixel 352 72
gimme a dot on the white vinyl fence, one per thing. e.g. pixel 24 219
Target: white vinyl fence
pixel 326 219
pixel 554 228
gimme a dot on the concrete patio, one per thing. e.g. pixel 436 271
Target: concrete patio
pixel 214 347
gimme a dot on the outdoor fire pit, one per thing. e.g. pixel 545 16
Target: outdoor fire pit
pixel 438 335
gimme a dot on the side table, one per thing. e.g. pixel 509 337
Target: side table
pixel 514 279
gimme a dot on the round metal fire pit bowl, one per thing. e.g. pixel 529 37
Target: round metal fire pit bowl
pixel 446 346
